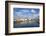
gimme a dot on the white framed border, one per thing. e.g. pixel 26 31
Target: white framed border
pixel 17 5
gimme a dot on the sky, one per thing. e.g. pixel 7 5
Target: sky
pixel 25 12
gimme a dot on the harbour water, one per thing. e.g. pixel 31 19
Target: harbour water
pixel 26 24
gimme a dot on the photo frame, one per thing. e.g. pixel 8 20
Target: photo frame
pixel 24 17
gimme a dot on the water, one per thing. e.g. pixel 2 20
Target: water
pixel 26 24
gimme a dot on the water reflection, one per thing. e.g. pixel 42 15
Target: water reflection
pixel 30 23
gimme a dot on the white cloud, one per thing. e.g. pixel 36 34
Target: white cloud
pixel 33 11
pixel 24 10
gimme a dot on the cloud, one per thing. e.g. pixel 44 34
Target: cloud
pixel 33 11
pixel 24 11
